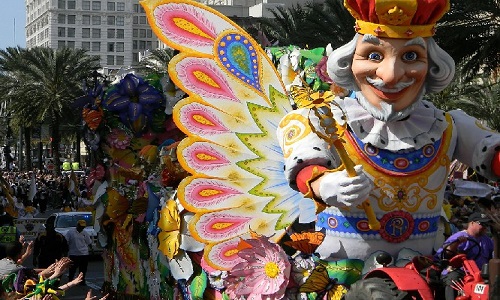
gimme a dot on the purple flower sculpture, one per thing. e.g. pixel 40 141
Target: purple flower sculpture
pixel 134 100
pixel 321 70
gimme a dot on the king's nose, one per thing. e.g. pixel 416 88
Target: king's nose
pixel 390 71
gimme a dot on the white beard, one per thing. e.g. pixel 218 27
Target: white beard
pixel 386 111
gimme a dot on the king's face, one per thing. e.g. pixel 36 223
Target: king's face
pixel 390 70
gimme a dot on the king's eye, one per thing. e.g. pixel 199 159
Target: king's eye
pixel 374 56
pixel 410 56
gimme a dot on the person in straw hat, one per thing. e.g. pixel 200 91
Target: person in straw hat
pixel 79 243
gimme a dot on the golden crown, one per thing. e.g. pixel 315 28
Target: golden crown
pixel 397 18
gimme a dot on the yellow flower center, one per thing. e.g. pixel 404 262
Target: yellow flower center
pixel 272 270
pixel 305 273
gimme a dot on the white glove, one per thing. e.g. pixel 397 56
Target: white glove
pixel 338 189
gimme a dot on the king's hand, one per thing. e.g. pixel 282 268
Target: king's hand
pixel 341 190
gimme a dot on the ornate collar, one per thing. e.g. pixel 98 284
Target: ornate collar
pixel 423 126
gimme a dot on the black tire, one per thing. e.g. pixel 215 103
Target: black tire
pixel 375 289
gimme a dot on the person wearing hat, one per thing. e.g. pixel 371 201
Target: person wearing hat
pixel 472 241
pixel 79 243
pixel 402 146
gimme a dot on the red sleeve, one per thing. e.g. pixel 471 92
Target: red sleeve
pixel 495 164
pixel 306 175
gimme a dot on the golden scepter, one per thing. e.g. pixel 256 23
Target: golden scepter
pixel 319 102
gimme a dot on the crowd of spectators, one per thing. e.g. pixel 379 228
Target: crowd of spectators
pixel 461 207
pixel 24 195
pixel 55 191
pixel 473 218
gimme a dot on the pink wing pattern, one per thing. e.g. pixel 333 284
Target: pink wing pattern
pixel 236 100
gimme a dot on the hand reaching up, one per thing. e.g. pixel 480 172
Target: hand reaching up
pixel 90 297
pixel 28 246
pixel 60 267
pixel 56 269
pixel 73 282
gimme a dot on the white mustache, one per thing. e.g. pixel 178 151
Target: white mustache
pixel 380 85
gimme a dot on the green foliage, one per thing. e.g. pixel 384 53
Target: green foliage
pixel 482 100
pixel 478 97
pixel 42 83
pixel 310 26
pixel 156 62
pixel 447 98
pixel 470 32
pixel 305 65
pixel 198 284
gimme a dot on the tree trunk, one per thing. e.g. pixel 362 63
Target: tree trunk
pixel 77 147
pixel 56 140
pixel 40 155
pixel 27 145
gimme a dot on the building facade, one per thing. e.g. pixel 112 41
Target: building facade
pixel 116 31
pixel 253 8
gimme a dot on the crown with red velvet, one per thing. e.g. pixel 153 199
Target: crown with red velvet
pixel 397 18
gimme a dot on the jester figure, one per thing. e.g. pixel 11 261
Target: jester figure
pixel 401 144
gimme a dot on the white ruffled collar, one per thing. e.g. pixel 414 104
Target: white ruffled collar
pixel 424 125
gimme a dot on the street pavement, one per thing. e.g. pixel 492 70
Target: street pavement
pixel 94 277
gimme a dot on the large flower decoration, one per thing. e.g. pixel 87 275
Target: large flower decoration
pixel 92 98
pixel 134 99
pixel 118 138
pixel 305 97
pixel 117 207
pixel 321 70
pixel 90 103
pixel 92 117
pixel 174 234
pixel 96 173
pixel 263 273
pixel 170 224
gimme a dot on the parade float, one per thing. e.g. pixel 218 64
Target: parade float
pixel 181 215
pixel 135 172
pixel 192 202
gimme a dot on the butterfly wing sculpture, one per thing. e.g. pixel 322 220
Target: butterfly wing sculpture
pixel 236 100
pixel 320 283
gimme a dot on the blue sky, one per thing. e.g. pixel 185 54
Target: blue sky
pixel 12 12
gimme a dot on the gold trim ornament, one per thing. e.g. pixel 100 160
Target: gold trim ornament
pixel 397 18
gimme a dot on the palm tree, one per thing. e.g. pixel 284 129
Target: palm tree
pixel 311 26
pixel 470 32
pixel 331 22
pixel 45 83
pixel 156 62
pixel 13 79
pixel 482 100
pixel 288 26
